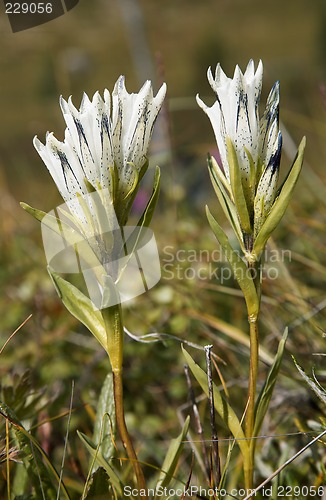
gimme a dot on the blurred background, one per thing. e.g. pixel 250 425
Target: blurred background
pixel 173 41
pixel 176 41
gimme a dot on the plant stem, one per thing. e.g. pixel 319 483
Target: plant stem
pixel 253 370
pixel 114 327
pixel 250 415
pixel 253 374
pixel 123 431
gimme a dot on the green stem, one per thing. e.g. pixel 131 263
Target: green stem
pixel 253 375
pixel 114 327
pixel 253 371
pixel 250 415
pixel 124 434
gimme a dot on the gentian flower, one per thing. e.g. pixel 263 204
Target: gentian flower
pixel 97 169
pixel 105 146
pixel 250 150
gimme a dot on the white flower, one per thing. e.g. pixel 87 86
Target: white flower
pixel 104 135
pixel 256 141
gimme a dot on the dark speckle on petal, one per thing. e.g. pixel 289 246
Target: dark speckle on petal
pixel 66 167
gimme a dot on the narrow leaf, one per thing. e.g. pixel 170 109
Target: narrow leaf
pixel 52 222
pixel 237 187
pixel 313 384
pixel 226 203
pixel 281 202
pixel 171 460
pixel 80 306
pixel 266 392
pixel 98 457
pixel 68 235
pixel 221 405
pixel 132 240
pixel 239 268
pixel 147 215
pixel 99 486
pixel 105 424
pixel 36 461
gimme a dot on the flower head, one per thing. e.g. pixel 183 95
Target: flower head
pixel 97 169
pixel 249 146
pixel 105 146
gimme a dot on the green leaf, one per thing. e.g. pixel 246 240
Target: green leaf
pixel 100 460
pixel 36 461
pixel 224 198
pixel 112 317
pixel 171 459
pixel 266 392
pixel 105 423
pixel 123 204
pixel 80 306
pixel 237 187
pixel 147 215
pixel 99 486
pixel 221 405
pixel 52 222
pixel 281 202
pixel 313 383
pixel 37 214
pixel 239 268
pixel 68 234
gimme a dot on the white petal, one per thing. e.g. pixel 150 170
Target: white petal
pixel 63 166
pixel 235 114
pixel 269 126
pixel 133 117
pixel 84 127
pixel 216 116
pixel 267 187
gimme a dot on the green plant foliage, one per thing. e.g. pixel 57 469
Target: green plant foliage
pixel 221 405
pixel 147 215
pixel 171 459
pixel 281 202
pixel 100 461
pixel 239 268
pixel 266 392
pixel 39 476
pixel 100 487
pixel 80 306
pixel 21 396
pixel 105 424
pixel 238 188
pixel 312 382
